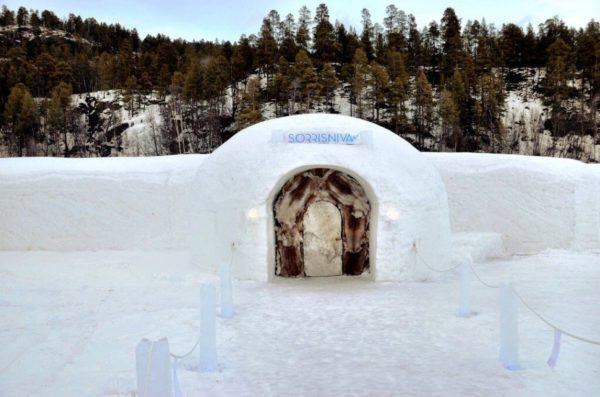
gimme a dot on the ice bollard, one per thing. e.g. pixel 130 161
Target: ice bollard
pixel 509 328
pixel 208 331
pixel 464 307
pixel 226 291
pixel 153 369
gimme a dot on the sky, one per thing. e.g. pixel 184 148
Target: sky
pixel 228 19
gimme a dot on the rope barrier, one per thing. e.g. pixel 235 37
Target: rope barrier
pixel 517 294
pixel 432 268
pixel 479 278
pixel 179 357
pixel 580 338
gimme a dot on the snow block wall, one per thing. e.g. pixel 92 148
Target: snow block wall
pixel 96 204
pixel 535 203
pixel 206 203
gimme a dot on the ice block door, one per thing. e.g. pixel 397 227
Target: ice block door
pixel 322 243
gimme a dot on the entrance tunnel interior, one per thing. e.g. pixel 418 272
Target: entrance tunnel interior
pixel 322 219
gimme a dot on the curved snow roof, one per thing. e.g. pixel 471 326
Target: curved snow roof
pixel 408 196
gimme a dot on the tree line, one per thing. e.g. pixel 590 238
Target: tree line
pixel 445 76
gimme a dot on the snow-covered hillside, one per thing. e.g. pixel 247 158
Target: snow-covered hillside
pixel 524 121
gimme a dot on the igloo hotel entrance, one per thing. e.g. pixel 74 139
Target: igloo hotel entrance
pixel 321 225
pixel 318 195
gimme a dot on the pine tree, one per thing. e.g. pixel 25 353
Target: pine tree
pixel 451 134
pixel 241 64
pixel 415 45
pixel 92 113
pixel 368 34
pixel 460 94
pixel 63 73
pixel 214 94
pixel 303 32
pixel 280 87
pixel 379 87
pixel 490 108
pixel 434 47
pixel 129 95
pixel 35 21
pixel 7 18
pixel 22 17
pixel 46 68
pixel 359 81
pixel 250 107
pixel 276 25
pixel 329 83
pixel 323 35
pixel 559 70
pixel 59 109
pixel 452 42
pixel 511 45
pixel 399 89
pixel 288 46
pixel 266 48
pixel 21 114
pixel 163 81
pixel 423 102
pixel 380 44
pixel 145 88
pixel 588 61
pixel 347 43
pixel 193 88
pixel 305 74
pixel 529 46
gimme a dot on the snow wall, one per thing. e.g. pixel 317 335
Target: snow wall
pixel 145 203
pixel 535 203
pixel 96 204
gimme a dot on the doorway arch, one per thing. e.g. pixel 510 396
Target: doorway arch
pixel 289 209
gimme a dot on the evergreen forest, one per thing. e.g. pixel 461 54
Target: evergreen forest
pixel 74 87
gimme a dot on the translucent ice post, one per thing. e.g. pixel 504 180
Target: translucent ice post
pixel 464 308
pixel 153 368
pixel 208 331
pixel 509 328
pixel 226 291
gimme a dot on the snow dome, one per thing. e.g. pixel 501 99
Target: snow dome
pixel 319 195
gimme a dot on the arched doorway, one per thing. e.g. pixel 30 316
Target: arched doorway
pixel 322 221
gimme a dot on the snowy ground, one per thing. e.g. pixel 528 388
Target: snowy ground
pixel 69 324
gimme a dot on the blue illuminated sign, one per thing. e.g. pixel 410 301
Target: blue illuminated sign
pixel 323 138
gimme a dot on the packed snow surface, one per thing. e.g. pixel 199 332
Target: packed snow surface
pixel 69 324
